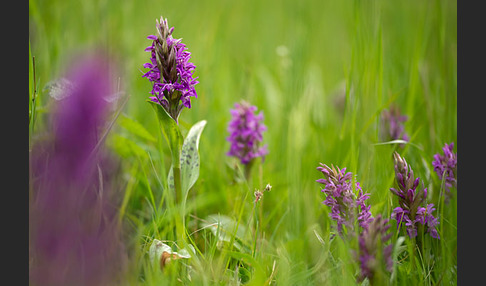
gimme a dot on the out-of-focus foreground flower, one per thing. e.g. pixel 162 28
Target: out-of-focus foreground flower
pixel 170 71
pixel 411 198
pixel 346 206
pixel 74 233
pixel 246 133
pixel 375 257
pixel 446 166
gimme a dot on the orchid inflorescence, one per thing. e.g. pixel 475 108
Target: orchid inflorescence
pixel 246 133
pixel 346 205
pixel 446 168
pixel 170 71
pixel 411 198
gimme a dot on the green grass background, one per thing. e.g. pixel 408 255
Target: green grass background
pixel 322 72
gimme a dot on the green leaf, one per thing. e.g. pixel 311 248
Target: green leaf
pixel 245 258
pixel 31 74
pixel 171 132
pixel 135 128
pixel 189 160
pixel 225 229
pixel 126 147
pixel 398 248
pixel 31 93
pixel 398 141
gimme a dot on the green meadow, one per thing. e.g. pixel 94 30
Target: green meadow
pixel 322 72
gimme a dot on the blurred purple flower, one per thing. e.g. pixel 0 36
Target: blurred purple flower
pixel 170 71
pixel 74 234
pixel 346 206
pixel 410 198
pixel 446 165
pixel 246 133
pixel 392 125
pixel 375 257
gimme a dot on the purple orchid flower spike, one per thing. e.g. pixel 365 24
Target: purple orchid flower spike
pixel 346 206
pixel 246 133
pixel 74 233
pixel 410 212
pixel 170 71
pixel 446 168
pixel 375 253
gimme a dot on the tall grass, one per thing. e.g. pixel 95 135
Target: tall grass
pixel 322 72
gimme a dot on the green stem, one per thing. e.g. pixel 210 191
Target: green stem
pixel 412 255
pixel 257 224
pixel 178 197
pixel 248 170
pixel 177 185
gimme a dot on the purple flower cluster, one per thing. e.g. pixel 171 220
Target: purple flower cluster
pixel 74 237
pixel 424 216
pixel 345 205
pixel 347 208
pixel 446 165
pixel 373 251
pixel 410 198
pixel 170 71
pixel 246 129
pixel 392 124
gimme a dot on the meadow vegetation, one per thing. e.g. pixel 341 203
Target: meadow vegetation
pixel 322 73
